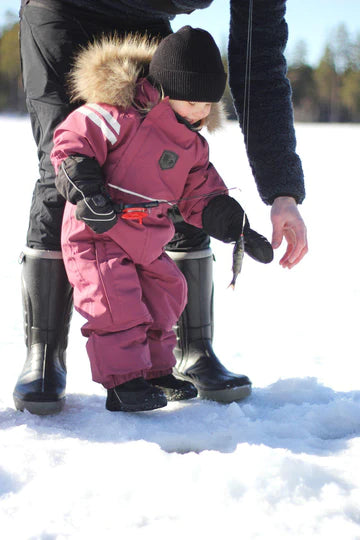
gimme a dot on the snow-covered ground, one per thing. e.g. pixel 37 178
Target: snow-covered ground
pixel 283 464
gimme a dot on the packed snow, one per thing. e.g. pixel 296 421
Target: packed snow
pixel 282 464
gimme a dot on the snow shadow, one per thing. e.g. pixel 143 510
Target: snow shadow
pixel 9 483
pixel 299 415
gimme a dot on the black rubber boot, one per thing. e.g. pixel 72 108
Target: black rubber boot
pixel 134 396
pixel 47 303
pixel 196 360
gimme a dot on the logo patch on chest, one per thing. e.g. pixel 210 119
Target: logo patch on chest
pixel 168 160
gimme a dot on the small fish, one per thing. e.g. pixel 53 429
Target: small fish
pixel 238 255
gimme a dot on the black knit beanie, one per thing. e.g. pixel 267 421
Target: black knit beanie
pixel 188 66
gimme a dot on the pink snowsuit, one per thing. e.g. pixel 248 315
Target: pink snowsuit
pixel 125 285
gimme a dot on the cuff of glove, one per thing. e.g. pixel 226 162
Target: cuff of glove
pixel 79 177
pixel 97 212
pixel 223 219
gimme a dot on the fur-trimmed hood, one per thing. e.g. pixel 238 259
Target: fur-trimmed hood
pixel 108 71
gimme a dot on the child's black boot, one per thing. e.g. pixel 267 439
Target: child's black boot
pixel 173 388
pixel 135 395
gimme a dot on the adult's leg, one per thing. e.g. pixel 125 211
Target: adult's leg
pixel 196 359
pixel 49 37
pixel 47 312
pixel 46 38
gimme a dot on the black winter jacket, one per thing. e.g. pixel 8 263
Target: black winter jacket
pixel 270 140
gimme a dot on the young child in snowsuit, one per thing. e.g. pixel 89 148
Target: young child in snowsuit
pixel 135 141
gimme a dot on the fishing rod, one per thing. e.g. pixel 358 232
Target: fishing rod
pixel 138 211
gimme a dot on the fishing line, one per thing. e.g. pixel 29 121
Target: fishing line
pixel 246 105
pixel 139 194
pixel 174 201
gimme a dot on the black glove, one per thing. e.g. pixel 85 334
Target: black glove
pixel 97 212
pixel 80 181
pixel 223 218
pixel 257 246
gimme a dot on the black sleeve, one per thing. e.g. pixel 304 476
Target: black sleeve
pixel 271 139
pixel 223 219
pixel 79 177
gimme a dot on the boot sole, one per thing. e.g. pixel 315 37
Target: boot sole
pixel 136 408
pixel 40 408
pixel 226 395
pixel 149 404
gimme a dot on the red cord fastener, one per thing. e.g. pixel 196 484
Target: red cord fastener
pixel 135 214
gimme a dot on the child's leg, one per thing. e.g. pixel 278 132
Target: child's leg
pixel 164 292
pixel 108 294
pixel 118 357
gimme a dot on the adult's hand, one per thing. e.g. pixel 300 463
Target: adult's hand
pixel 288 223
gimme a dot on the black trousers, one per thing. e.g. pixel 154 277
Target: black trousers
pixel 50 36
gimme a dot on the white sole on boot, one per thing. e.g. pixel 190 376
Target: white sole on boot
pixel 40 408
pixel 226 395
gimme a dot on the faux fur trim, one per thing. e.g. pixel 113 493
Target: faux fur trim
pixel 216 118
pixel 106 71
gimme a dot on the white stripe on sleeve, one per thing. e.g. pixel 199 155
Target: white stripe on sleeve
pixel 106 131
pixel 107 116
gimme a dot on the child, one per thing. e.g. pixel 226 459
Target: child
pixel 135 143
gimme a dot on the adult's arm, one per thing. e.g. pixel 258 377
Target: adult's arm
pixel 270 138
